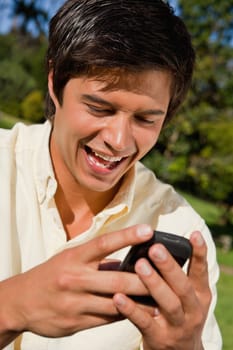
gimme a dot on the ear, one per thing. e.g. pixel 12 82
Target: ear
pixel 50 88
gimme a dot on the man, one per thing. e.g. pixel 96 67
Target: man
pixel 74 194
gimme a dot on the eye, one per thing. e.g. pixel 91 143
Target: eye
pixel 144 120
pixel 99 110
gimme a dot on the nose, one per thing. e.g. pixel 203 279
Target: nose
pixel 118 135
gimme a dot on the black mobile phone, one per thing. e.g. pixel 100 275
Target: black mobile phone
pixel 179 247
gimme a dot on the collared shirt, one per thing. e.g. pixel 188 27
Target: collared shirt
pixel 32 230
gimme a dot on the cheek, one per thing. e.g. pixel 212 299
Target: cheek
pixel 147 141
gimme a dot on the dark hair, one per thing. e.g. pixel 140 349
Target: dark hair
pixel 90 36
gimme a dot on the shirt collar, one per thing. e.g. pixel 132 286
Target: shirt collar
pixel 125 194
pixel 46 183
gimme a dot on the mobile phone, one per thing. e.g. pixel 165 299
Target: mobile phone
pixel 179 247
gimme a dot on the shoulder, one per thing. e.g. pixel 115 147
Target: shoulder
pixel 172 211
pixel 149 186
pixel 22 137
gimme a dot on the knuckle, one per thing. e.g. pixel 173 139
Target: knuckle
pixel 175 307
pixel 102 244
pixel 64 281
pixel 187 288
pixel 67 281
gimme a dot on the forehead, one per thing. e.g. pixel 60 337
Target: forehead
pixel 137 82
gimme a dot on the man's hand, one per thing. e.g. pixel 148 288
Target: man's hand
pixel 68 292
pixel 183 301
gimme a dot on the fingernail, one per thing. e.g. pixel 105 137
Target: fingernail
pixel 198 239
pixel 159 253
pixel 144 268
pixel 120 300
pixel 144 231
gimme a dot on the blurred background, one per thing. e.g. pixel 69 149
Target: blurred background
pixel 194 152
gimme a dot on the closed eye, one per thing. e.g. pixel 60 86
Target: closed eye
pixel 145 120
pixel 99 110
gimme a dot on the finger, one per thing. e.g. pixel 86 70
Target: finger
pixel 169 303
pixel 198 269
pixel 105 282
pixel 101 305
pixel 137 315
pixel 108 243
pixel 175 278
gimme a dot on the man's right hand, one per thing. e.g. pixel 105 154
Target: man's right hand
pixel 69 293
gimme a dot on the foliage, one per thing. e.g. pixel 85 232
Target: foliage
pixel 21 69
pixel 30 12
pixel 7 121
pixel 32 106
pixel 195 152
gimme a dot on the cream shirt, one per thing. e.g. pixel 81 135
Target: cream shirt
pixel 32 231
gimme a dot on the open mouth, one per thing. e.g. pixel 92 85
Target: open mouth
pixel 103 161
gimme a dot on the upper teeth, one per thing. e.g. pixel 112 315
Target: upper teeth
pixel 108 158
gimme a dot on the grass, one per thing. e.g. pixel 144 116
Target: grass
pixel 224 309
pixel 208 210
pixel 225 258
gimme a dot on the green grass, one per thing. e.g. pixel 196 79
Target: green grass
pixel 225 258
pixel 224 309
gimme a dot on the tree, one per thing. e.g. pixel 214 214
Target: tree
pixel 21 70
pixel 30 12
pixel 195 152
pixel 32 107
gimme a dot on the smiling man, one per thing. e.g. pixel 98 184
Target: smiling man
pixel 99 134
pixel 74 193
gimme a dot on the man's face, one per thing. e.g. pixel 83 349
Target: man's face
pixel 100 133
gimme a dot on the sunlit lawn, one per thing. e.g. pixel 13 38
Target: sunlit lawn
pixel 209 211
pixel 224 309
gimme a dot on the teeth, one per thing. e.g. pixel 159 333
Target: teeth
pixel 97 163
pixel 108 158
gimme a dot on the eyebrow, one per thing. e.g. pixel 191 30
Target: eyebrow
pixel 97 99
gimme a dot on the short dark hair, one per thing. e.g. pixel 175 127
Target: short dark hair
pixel 86 36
